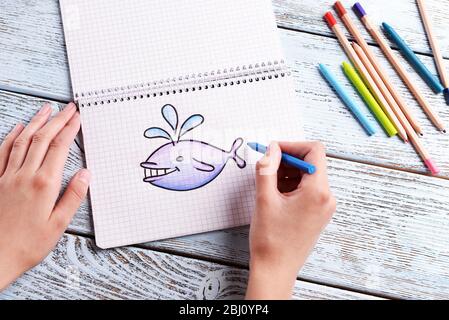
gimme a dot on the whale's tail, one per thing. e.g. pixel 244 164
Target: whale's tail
pixel 233 153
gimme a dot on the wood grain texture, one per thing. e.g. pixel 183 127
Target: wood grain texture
pixel 33 61
pixel 77 269
pixel 389 235
pixel 403 15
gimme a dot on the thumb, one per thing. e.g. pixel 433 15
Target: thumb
pixel 267 168
pixel 71 200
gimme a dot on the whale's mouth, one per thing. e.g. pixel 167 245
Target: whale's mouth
pixel 155 174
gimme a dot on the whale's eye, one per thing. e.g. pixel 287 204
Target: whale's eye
pixel 180 159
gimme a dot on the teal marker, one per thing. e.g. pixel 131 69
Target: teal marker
pixel 286 158
pixel 431 80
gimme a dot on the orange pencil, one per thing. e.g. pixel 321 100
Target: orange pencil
pixel 375 33
pixel 379 70
pixel 365 74
pixel 408 128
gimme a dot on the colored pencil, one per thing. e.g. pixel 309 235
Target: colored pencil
pixel 347 20
pixel 413 59
pixel 381 41
pixel 394 106
pixel 364 73
pixel 348 101
pixel 408 128
pixel 439 61
pixel 370 101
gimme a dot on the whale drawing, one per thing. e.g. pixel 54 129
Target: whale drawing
pixel 183 165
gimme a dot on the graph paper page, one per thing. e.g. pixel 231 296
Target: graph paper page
pixel 121 44
pixel 117 43
pixel 127 210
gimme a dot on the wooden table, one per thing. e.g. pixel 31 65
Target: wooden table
pixel 389 237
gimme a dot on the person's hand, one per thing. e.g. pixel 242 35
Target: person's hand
pixel 292 209
pixel 32 219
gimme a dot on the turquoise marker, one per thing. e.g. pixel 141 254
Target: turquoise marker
pixel 420 67
pixel 286 158
pixel 366 124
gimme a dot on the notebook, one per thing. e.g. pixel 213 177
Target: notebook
pixel 170 92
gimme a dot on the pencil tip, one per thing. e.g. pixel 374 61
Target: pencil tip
pixel 444 131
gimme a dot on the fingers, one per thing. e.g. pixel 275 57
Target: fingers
pixel 72 198
pixel 48 137
pixel 6 146
pixel 288 178
pixel 58 150
pixel 22 142
pixel 266 170
pixel 314 153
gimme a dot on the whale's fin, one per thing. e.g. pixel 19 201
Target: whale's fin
pixel 233 153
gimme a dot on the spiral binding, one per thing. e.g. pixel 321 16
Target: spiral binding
pixel 184 84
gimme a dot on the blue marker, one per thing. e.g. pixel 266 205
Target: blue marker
pixel 420 67
pixel 286 158
pixel 344 96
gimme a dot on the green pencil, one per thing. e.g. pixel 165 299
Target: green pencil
pixel 370 101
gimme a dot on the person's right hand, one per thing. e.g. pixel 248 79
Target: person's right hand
pixel 292 209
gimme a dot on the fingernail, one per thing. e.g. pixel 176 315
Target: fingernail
pixel 84 176
pixel 45 109
pixel 267 153
pixel 17 127
pixel 265 161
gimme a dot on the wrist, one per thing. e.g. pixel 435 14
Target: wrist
pixel 270 280
pixel 9 272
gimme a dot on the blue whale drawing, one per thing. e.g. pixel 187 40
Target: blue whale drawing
pixel 183 165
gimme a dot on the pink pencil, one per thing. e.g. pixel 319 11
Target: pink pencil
pixel 421 150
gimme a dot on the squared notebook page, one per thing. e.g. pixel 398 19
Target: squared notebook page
pixel 127 210
pixel 116 43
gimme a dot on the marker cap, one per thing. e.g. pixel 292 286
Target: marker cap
pixel 358 9
pixel 330 19
pixel 446 95
pixel 340 9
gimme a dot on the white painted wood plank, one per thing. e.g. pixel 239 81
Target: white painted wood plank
pixel 77 269
pixel 33 60
pixel 403 15
pixel 390 233
pixel 388 237
pixel 328 120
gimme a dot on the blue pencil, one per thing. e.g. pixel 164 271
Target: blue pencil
pixel 344 96
pixel 286 158
pixel 420 67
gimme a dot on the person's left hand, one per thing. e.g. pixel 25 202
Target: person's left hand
pixel 32 219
